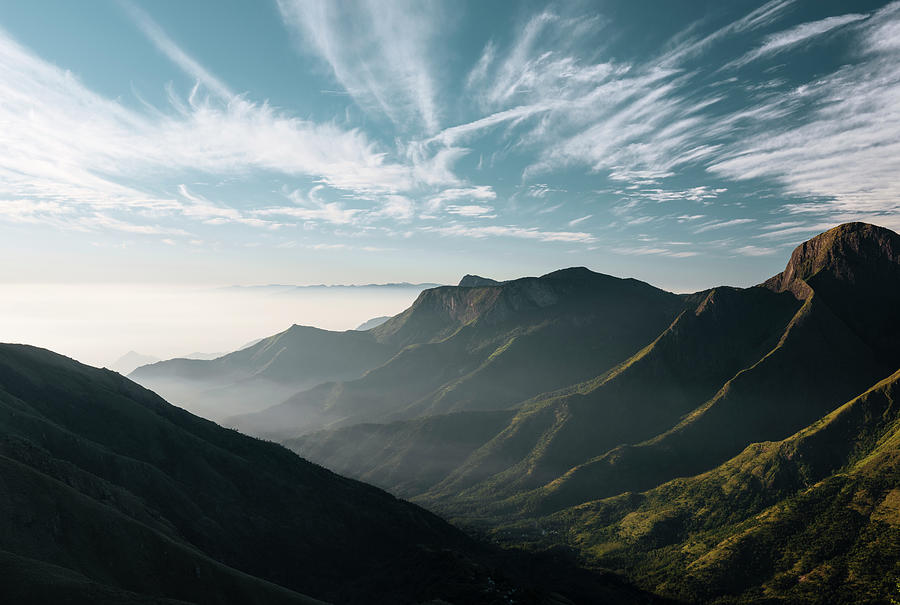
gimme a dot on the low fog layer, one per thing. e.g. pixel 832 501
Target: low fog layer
pixel 98 324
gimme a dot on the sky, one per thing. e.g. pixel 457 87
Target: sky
pixel 685 143
pixel 98 323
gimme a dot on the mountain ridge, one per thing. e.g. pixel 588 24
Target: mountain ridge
pixel 735 370
pixel 111 491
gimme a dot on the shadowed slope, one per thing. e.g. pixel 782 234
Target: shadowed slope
pixel 407 457
pixel 110 490
pixel 485 348
pixel 738 369
pixel 266 372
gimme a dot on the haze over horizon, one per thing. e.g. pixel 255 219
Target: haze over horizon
pixel 300 142
pixel 98 323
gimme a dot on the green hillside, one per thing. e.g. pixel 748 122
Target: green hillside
pixel 814 518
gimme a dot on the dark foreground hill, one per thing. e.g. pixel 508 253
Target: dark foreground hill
pixel 109 494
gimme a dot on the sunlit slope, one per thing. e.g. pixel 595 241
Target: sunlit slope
pixel 813 518
pixel 744 366
pixel 486 348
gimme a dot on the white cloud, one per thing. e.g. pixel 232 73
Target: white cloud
pixel 574 222
pixel 685 48
pixel 175 54
pixel 755 251
pixel 63 144
pixel 843 155
pixel 472 210
pixel 310 206
pixel 723 224
pixel 793 231
pixel 540 190
pixel 801 34
pixel 377 50
pixel 533 233
pixel 397 207
pixel 478 193
pixel 694 194
pixel 653 251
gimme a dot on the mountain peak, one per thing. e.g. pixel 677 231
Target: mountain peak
pixel 845 252
pixel 570 273
pixel 472 281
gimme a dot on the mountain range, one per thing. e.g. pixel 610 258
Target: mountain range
pixel 645 430
pixel 734 445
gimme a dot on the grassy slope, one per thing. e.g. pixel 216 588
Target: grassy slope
pixel 640 398
pixel 813 518
pixel 745 366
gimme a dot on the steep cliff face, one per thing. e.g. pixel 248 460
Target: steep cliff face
pixel 853 269
pixel 852 253
pixel 473 281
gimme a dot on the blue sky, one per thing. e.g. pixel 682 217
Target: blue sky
pixel 684 143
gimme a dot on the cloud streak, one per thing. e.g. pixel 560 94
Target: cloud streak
pixel 801 34
pixel 64 144
pixel 376 50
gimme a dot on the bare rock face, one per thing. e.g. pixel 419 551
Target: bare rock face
pixel 854 269
pixel 474 281
pixel 850 253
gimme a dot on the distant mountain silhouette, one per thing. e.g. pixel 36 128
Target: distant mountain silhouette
pixel 372 323
pixel 264 373
pixel 130 361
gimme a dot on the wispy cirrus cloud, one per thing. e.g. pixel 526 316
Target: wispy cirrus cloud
pixel 514 231
pixel 701 193
pixel 473 210
pixel 843 154
pixel 478 193
pixel 712 225
pixel 64 144
pixel 653 251
pixel 575 221
pixel 377 51
pixel 801 34
pixel 687 46
pixel 755 251
pixel 174 52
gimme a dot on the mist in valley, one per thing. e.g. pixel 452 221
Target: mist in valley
pixel 98 324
